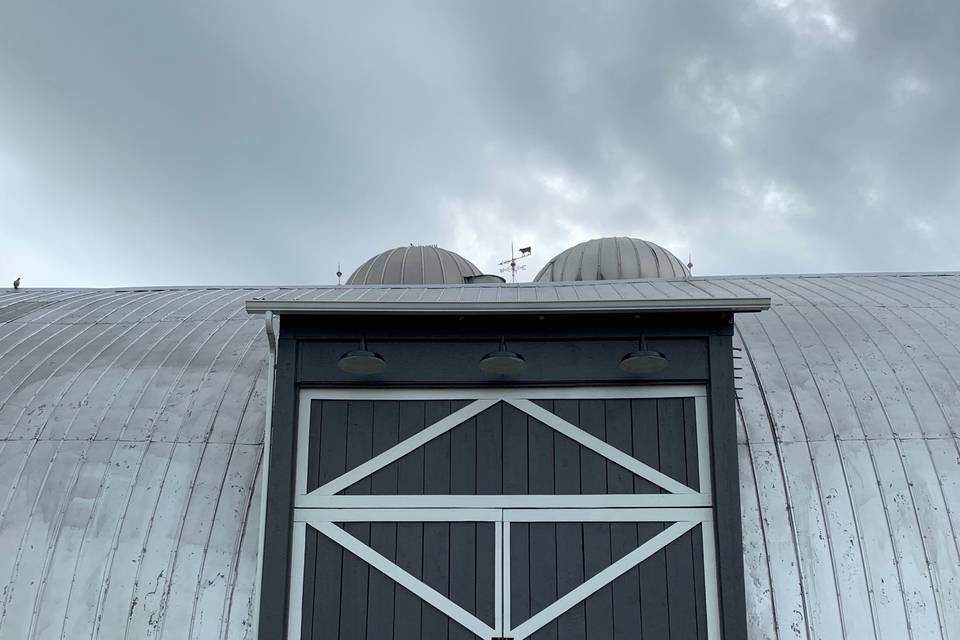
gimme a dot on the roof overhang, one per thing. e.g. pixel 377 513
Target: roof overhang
pixel 325 308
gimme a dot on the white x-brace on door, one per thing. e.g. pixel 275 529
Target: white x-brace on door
pixel 325 510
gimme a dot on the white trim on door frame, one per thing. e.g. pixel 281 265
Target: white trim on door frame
pixel 684 507
pixel 483 399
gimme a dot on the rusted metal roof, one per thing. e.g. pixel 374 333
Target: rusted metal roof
pixel 131 426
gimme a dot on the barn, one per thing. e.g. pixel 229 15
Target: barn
pixel 618 449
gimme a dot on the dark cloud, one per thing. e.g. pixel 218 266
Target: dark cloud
pixel 176 143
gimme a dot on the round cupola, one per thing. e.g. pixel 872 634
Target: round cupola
pixel 418 264
pixel 613 259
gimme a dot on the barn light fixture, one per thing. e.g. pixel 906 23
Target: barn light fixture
pixel 502 361
pixel 362 361
pixel 644 360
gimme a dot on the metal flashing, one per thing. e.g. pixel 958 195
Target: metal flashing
pixel 310 307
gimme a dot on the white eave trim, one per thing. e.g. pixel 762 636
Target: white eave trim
pixel 308 307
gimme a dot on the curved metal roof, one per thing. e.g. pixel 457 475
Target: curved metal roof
pixel 131 425
pixel 613 259
pixel 423 264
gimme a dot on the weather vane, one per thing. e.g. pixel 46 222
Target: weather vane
pixel 511 264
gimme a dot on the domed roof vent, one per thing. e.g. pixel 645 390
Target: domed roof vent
pixel 426 264
pixel 613 259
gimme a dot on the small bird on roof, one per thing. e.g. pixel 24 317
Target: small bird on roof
pixel 16 284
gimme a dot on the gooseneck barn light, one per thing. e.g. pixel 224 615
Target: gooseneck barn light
pixel 502 361
pixel 362 361
pixel 644 360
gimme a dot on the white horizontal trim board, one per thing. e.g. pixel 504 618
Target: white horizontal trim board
pixel 397 515
pixel 608 515
pixel 551 501
pixel 683 508
pixel 312 516
pixel 634 392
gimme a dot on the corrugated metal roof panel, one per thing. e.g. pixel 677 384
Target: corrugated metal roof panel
pixel 131 425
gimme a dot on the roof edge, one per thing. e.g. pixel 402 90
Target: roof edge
pixel 311 307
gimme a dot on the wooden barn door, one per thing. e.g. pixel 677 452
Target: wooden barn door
pixel 521 513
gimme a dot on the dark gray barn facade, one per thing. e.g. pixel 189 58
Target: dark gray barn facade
pixel 571 499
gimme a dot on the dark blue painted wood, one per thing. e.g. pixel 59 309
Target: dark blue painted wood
pixel 383 535
pixel 278 516
pixel 355 572
pixel 408 607
pixel 515 461
pixel 623 538
pixel 699 585
pixel 661 598
pixel 380 600
pixel 386 433
pixel 543 535
pixel 726 487
pixel 309 582
pixel 463 535
pixel 596 536
pixel 654 622
pixel 332 442
pixel 519 572
pixel 646 440
pixel 436 535
pixel 329 588
pixel 490 451
pixel 485 609
pixel 572 625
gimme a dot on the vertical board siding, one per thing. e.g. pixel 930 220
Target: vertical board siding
pixel 347 599
pixel 665 608
pixel 503 451
pixel 516 453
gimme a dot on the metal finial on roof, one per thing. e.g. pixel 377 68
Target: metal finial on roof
pixel 511 263
pixel 690 261
pixel 339 273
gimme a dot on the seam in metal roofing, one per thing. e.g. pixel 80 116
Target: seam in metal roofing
pixel 131 426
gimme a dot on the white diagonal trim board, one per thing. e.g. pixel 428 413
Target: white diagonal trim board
pixel 418 588
pixel 403 448
pixel 592 442
pixel 600 580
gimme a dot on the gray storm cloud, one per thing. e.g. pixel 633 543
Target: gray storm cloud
pixel 196 143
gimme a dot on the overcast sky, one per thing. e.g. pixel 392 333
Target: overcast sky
pixel 154 143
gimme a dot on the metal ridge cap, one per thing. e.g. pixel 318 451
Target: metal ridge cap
pixel 319 307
